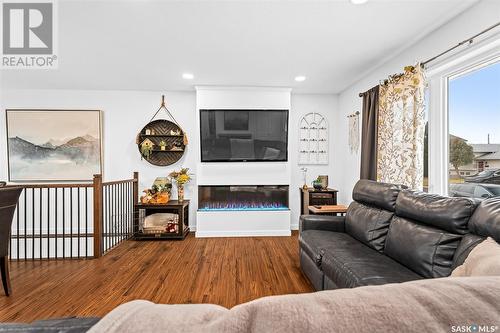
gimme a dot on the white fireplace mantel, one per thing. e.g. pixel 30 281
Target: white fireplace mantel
pixel 242 223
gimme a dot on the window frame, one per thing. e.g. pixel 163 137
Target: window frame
pixel 475 57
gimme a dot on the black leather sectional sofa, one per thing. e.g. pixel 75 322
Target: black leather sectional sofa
pixel 391 234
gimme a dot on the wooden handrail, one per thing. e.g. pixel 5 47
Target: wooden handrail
pixel 62 185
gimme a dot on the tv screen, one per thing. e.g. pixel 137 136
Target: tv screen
pixel 244 135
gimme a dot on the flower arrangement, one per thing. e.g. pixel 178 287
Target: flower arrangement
pixel 181 177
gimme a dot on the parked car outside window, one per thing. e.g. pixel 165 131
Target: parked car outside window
pixel 491 176
pixel 477 191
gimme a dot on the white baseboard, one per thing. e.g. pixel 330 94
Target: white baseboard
pixel 241 233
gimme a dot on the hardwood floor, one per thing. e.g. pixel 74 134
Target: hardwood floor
pixel 225 271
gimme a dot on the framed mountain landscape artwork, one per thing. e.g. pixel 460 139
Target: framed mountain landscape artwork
pixel 54 145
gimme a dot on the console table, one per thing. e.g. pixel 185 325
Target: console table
pixel 313 197
pixel 173 206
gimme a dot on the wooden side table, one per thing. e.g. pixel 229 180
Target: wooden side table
pixel 313 197
pixel 328 209
pixel 173 206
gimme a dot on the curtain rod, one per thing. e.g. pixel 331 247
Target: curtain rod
pixel 468 40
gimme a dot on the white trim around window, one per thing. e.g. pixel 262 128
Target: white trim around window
pixel 474 57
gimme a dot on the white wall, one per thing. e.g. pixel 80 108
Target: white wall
pixel 327 106
pixel 472 21
pixel 126 112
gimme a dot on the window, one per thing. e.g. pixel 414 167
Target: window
pixel 474 130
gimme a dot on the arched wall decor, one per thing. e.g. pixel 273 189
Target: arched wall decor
pixel 313 139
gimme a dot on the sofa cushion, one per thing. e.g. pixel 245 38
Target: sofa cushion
pixel 376 194
pixel 313 242
pixel 426 250
pixel 450 214
pixel 486 219
pixel 349 263
pixel 368 224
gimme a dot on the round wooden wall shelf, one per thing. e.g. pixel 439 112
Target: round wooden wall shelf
pixel 166 139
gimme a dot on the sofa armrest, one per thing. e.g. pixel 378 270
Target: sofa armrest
pixel 322 222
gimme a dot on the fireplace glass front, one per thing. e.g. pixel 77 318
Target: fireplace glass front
pixel 243 197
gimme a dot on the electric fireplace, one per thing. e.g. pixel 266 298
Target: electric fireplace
pixel 243 198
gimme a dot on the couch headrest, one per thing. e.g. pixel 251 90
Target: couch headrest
pixel 450 214
pixel 485 221
pixel 381 195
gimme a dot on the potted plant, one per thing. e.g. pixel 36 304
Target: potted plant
pixel 181 178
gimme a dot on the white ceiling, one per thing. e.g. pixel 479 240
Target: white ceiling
pixel 147 45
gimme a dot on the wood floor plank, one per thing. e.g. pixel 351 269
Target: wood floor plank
pixel 224 271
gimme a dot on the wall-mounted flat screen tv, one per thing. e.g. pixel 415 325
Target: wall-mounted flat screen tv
pixel 244 135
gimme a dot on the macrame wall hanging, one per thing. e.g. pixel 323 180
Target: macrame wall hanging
pixel 354 132
pixel 162 142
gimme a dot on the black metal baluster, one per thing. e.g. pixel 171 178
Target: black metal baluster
pixel 48 222
pixel 120 199
pixel 33 223
pixel 112 195
pixel 78 189
pixel 108 240
pixel 121 213
pixel 64 222
pixel 25 225
pixel 71 221
pixel 116 217
pixel 112 215
pixel 86 223
pixel 40 222
pixel 105 217
pixel 125 210
pixel 127 201
pixel 132 208
pixel 56 255
pixel 17 231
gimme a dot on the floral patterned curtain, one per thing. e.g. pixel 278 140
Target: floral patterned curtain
pixel 401 129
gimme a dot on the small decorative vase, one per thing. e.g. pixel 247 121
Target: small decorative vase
pixel 180 193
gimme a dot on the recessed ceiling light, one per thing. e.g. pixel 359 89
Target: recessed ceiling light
pixel 187 76
pixel 358 2
pixel 300 78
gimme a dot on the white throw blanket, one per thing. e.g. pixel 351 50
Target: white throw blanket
pixel 433 305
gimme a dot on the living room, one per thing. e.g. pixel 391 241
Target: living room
pixel 215 153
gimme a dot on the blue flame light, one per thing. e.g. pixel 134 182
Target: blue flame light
pixel 242 206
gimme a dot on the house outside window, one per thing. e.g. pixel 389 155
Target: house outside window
pixel 474 133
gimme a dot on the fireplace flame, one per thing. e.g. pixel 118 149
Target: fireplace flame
pixel 249 205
